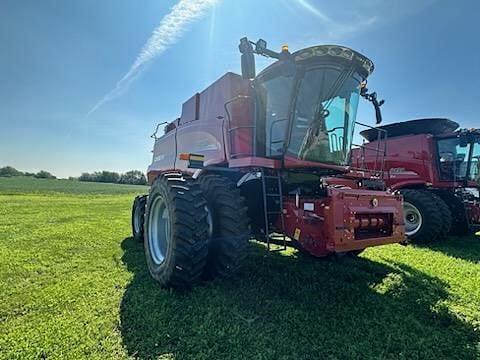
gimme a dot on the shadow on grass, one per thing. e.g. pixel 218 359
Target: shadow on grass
pixel 465 248
pixel 292 307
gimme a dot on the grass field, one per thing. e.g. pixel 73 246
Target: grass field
pixel 74 285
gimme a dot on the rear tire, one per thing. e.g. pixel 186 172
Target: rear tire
pixel 446 217
pixel 138 216
pixel 460 226
pixel 176 231
pixel 423 217
pixel 229 226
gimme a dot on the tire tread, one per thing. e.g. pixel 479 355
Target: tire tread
pixel 189 231
pixel 229 246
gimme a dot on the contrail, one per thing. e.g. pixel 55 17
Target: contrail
pixel 335 29
pixel 314 11
pixel 171 28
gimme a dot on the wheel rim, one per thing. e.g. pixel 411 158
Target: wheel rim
pixel 159 230
pixel 136 220
pixel 413 219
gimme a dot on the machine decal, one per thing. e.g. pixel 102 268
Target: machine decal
pixel 296 235
pixel 309 206
pixel 205 145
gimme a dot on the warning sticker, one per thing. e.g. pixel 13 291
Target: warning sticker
pixel 296 235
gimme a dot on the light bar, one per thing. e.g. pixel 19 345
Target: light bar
pixel 334 51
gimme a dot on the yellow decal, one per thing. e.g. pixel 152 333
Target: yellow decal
pixel 197 157
pixel 296 235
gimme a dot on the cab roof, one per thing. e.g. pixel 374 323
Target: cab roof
pixel 433 126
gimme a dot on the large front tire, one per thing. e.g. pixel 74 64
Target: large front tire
pixel 423 218
pixel 176 231
pixel 229 226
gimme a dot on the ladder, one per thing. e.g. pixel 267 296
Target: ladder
pixel 272 191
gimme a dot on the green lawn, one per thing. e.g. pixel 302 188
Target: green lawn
pixel 30 185
pixel 74 285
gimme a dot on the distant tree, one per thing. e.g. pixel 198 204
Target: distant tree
pixel 108 177
pixel 29 174
pixel 86 177
pixel 72 178
pixel 8 171
pixel 42 174
pixel 100 176
pixel 134 177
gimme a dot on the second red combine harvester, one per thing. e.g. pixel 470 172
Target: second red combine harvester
pixel 248 157
pixel 436 166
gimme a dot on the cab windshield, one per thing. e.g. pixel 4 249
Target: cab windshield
pixel 310 117
pixel 454 163
pixel 324 116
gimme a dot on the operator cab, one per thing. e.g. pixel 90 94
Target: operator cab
pixel 306 103
pixel 458 157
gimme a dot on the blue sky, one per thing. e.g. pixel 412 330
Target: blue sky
pixel 60 58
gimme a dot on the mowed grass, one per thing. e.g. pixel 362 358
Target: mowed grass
pixel 74 285
pixel 30 185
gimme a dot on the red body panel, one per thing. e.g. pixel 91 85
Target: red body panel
pixel 346 220
pixel 294 163
pixel 248 162
pixel 202 128
pixel 411 161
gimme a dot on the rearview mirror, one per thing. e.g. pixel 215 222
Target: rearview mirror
pixel 247 59
pixel 260 46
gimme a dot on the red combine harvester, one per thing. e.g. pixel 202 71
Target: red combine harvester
pixel 436 166
pixel 249 155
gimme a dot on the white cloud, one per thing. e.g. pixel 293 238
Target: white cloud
pixel 335 29
pixel 314 10
pixel 353 16
pixel 171 28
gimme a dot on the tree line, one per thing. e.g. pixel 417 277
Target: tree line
pixel 8 171
pixel 134 177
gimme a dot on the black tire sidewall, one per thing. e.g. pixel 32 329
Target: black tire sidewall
pixel 138 209
pixel 425 202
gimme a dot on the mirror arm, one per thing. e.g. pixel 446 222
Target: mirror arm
pixel 249 48
pixel 372 97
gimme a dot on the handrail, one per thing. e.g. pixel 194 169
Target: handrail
pixel 230 129
pixel 154 135
pixel 380 150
